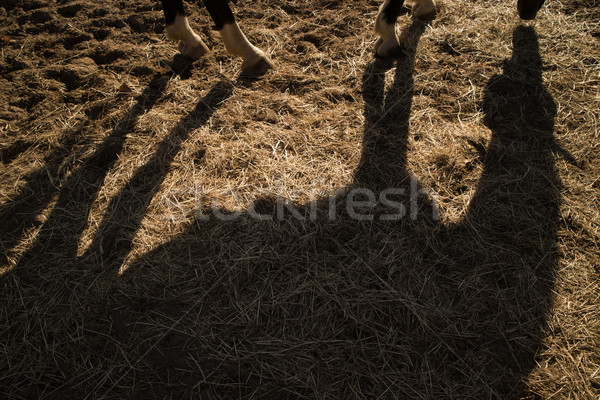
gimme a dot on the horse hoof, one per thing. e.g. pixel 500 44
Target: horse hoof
pixel 192 51
pixel 387 50
pixel 424 11
pixel 257 66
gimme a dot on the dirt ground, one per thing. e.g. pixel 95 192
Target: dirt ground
pixel 425 227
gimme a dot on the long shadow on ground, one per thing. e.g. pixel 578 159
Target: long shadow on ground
pixel 21 214
pixel 43 184
pixel 383 306
pixel 42 272
pixel 373 300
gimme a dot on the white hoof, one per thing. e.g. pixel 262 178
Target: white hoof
pixel 257 64
pixel 192 49
pixel 389 48
pixel 387 45
pixel 190 45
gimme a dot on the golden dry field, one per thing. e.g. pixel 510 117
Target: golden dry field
pixel 343 227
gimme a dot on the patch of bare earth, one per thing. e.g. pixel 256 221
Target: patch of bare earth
pixel 343 227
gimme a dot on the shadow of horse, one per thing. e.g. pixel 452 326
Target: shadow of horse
pixel 364 294
pixel 379 298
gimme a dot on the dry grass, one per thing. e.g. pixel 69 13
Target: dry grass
pixel 119 281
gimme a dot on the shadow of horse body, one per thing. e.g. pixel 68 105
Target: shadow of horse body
pixel 337 306
pixel 410 307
